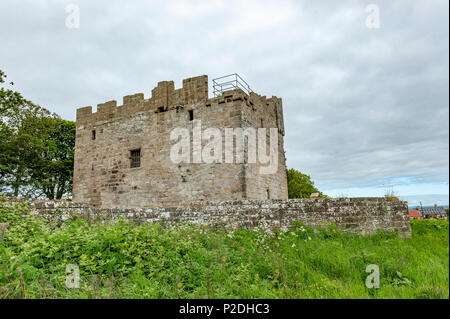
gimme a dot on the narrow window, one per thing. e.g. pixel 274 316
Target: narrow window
pixel 93 134
pixel 268 193
pixel 276 116
pixel 135 156
pixel 191 115
pixel 262 123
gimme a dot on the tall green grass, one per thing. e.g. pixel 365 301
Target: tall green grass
pixel 148 261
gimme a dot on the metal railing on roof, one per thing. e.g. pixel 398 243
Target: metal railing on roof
pixel 228 83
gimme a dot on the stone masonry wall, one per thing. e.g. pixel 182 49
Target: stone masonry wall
pixel 103 177
pixel 352 215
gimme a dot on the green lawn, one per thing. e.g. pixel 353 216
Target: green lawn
pixel 149 261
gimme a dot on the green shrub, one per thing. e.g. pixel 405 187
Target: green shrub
pixel 123 260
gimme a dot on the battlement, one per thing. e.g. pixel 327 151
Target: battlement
pixel 164 97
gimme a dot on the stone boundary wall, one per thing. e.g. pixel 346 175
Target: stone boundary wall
pixel 352 215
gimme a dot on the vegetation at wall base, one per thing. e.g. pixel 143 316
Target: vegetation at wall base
pixel 125 260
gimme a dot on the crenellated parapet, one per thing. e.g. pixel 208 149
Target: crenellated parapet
pixel 164 96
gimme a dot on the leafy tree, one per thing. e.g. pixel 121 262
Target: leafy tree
pixel 13 109
pixel 300 185
pixel 17 144
pixel 52 171
pixel 36 157
pixel 9 99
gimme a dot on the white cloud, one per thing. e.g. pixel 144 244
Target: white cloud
pixel 247 17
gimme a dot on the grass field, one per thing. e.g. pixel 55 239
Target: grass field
pixel 149 261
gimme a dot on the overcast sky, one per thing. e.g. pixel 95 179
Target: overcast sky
pixel 366 109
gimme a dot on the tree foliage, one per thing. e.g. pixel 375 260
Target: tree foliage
pixel 36 158
pixel 9 99
pixel 300 185
pixel 54 142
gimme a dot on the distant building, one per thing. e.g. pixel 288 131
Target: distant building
pixel 438 211
pixel 415 214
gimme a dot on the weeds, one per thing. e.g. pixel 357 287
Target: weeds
pixel 123 260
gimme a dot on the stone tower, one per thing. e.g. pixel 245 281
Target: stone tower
pixel 123 153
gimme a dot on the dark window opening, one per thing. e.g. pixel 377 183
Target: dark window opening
pixel 135 158
pixel 179 107
pixel 276 116
pixel 162 109
pixel 268 193
pixel 191 115
pixel 262 123
pixel 93 134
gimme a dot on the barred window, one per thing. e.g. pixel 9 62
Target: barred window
pixel 135 158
